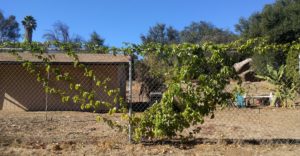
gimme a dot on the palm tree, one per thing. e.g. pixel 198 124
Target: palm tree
pixel 29 24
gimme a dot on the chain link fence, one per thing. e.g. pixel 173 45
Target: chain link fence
pixel 21 90
pixel 254 122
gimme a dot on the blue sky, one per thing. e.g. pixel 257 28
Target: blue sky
pixel 125 20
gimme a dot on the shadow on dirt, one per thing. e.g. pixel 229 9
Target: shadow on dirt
pixel 187 143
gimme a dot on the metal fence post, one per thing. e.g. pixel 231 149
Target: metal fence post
pixel 130 100
pixel 46 96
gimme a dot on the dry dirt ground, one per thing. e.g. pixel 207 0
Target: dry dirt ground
pixel 78 133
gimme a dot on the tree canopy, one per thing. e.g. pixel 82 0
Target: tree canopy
pixel 96 39
pixel 280 22
pixel 9 28
pixel 196 32
pixel 160 33
pixel 60 33
pixel 199 32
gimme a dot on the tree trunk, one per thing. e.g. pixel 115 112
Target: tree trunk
pixel 243 65
pixel 28 35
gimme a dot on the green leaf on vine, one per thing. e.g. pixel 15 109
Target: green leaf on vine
pixel 77 86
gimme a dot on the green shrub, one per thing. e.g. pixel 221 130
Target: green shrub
pixel 293 64
pixel 260 62
pixel 284 88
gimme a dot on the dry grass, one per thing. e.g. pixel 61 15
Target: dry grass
pixel 77 133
